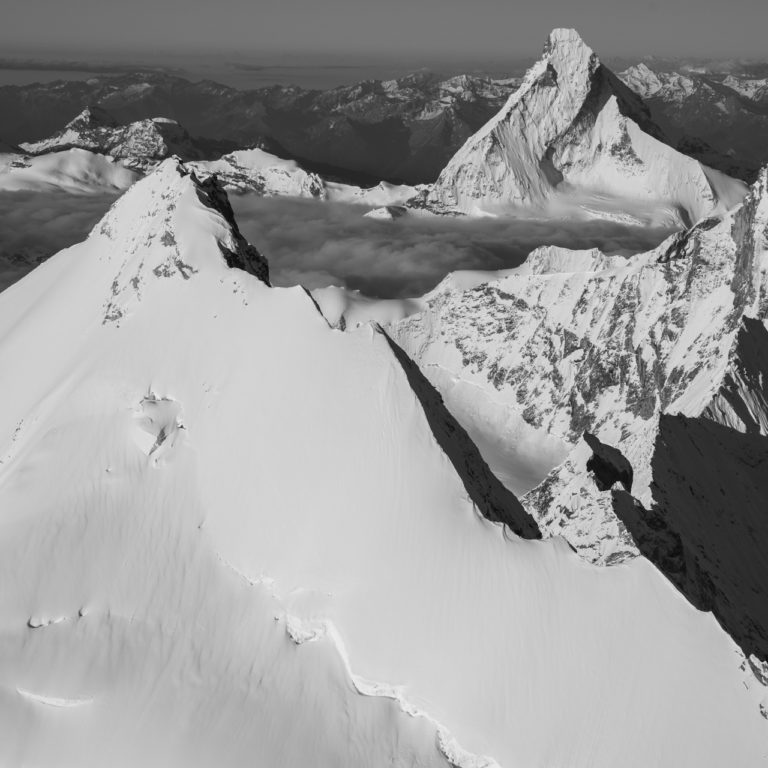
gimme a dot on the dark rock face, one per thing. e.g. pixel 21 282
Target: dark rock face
pixel 608 464
pixel 707 529
pixel 245 256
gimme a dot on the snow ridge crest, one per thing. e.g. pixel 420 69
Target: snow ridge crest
pixel 169 221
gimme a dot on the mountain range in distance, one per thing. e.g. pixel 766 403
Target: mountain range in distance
pixel 402 130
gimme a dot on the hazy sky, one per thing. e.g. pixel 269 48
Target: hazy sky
pixel 447 28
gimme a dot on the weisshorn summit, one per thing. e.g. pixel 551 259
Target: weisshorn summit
pixel 573 140
pixel 231 534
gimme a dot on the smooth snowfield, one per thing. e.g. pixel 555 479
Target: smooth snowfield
pixel 73 170
pixel 290 514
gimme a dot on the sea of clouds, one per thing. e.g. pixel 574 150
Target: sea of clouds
pixel 318 244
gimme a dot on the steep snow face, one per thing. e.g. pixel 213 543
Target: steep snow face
pixel 230 533
pixel 140 144
pixel 72 170
pixel 577 341
pixel 574 140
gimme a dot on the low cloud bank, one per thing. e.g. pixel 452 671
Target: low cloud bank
pixel 333 244
pixel 35 225
pixel 319 244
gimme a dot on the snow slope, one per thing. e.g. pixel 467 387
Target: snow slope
pixel 575 141
pixel 72 170
pixel 222 521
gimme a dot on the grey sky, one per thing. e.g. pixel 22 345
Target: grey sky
pixel 446 28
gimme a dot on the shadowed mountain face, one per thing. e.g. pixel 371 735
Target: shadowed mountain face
pixel 491 498
pixel 404 129
pixel 707 529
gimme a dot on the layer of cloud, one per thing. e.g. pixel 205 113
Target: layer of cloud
pixel 324 244
pixel 35 225
pixel 319 244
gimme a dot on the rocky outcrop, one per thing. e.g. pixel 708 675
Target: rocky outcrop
pixel 139 145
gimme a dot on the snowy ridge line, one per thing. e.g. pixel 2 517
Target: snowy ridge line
pixel 53 701
pixel 302 632
pixel 490 497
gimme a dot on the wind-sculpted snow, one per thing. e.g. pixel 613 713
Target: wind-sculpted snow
pixel 574 139
pixel 189 489
pixel 74 170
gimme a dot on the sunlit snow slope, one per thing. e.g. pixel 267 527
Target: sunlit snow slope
pixel 222 522
pixel 72 170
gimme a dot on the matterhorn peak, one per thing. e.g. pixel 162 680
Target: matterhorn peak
pixel 574 138
pixel 564 43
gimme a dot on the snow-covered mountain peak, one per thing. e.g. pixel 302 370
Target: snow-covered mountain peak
pixel 641 79
pixel 575 141
pixel 139 145
pixel 163 228
pixel 566 46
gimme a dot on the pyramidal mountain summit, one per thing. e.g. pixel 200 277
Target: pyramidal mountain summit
pixel 233 534
pixel 574 140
